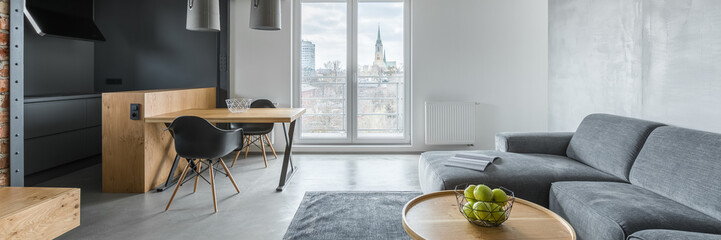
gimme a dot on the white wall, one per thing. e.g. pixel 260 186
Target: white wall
pixel 261 61
pixel 490 51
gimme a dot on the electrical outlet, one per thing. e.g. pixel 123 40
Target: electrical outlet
pixel 134 111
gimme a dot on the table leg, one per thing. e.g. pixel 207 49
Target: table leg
pixel 169 182
pixel 286 175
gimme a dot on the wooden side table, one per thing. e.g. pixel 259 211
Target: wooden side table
pixel 436 216
pixel 38 213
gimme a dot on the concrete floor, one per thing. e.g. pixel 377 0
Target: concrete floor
pixel 257 212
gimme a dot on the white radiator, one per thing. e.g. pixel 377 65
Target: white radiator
pixel 450 123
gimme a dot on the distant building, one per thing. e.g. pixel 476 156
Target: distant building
pixel 307 55
pixel 379 62
pixel 308 91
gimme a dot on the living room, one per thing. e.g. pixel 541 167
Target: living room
pixel 416 119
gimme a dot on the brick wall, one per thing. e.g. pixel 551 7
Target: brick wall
pixel 4 94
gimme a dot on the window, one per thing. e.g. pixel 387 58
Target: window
pixel 351 66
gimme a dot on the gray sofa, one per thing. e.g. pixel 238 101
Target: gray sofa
pixel 614 178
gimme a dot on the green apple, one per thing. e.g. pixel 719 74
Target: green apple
pixel 468 210
pixel 500 197
pixel 482 210
pixel 468 193
pixel 483 193
pixel 471 203
pixel 497 216
pixel 493 207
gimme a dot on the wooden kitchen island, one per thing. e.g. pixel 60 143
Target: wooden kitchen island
pixel 137 156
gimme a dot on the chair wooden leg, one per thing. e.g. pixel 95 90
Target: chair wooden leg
pixel 262 147
pixel 212 185
pixel 247 147
pixel 182 176
pixel 197 175
pixel 271 146
pixel 236 157
pixel 229 175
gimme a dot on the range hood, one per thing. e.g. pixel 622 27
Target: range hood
pixel 63 18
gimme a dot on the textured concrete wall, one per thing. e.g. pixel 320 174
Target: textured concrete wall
pixel 594 60
pixel 652 59
pixel 682 63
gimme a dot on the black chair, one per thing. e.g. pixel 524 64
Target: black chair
pixel 257 130
pixel 197 139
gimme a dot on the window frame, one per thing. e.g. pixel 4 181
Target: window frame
pixel 352 75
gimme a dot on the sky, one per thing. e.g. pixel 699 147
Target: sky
pixel 325 25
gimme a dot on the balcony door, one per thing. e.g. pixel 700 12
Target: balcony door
pixel 351 71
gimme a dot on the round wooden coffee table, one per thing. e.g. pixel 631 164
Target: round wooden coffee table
pixel 436 216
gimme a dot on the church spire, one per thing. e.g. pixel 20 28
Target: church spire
pixel 379 62
pixel 378 40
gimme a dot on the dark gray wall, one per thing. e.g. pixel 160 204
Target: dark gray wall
pixel 148 47
pixel 658 60
pixel 57 66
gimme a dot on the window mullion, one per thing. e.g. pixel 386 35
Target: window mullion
pixel 352 69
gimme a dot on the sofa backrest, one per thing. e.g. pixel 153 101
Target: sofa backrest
pixel 609 143
pixel 683 165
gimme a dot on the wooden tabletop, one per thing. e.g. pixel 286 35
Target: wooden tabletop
pixel 38 213
pixel 436 216
pixel 20 198
pixel 222 115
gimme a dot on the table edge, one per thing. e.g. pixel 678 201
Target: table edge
pixel 159 119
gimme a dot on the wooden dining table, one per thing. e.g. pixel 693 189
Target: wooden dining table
pixel 253 115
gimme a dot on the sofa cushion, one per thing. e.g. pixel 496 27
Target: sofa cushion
pixel 609 143
pixel 684 165
pixel 663 234
pixel 554 143
pixel 529 176
pixel 607 210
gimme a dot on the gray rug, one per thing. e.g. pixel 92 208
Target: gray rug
pixel 350 215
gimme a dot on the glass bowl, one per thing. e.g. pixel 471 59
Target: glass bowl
pixel 238 105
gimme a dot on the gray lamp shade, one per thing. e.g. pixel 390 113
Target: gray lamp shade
pixel 265 14
pixel 203 15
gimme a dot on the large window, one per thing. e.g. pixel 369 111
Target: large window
pixel 351 66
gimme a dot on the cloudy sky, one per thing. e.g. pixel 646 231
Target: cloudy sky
pixel 325 25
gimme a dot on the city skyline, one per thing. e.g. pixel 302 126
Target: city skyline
pixel 308 59
pixel 324 25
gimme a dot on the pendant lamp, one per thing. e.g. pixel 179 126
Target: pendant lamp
pixel 203 15
pixel 265 14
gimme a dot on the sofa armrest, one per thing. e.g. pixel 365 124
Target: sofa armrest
pixel 554 143
pixel 658 234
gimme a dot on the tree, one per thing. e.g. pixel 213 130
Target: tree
pixel 334 67
pixel 392 71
